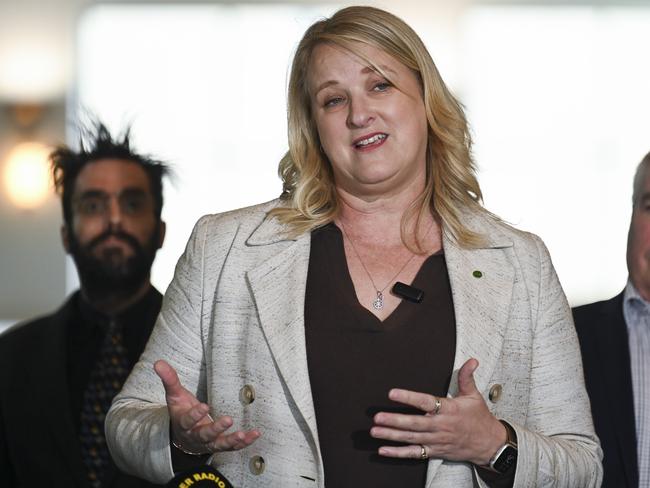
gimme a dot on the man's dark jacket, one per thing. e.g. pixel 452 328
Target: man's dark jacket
pixel 38 439
pixel 606 358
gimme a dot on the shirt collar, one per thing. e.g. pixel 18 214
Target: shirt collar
pixel 134 313
pixel 635 307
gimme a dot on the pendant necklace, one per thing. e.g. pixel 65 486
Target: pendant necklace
pixel 378 302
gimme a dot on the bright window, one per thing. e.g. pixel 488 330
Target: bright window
pixel 205 89
pixel 557 98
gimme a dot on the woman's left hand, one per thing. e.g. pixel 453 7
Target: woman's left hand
pixel 463 429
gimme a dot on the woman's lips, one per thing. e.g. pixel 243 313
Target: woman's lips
pixel 370 141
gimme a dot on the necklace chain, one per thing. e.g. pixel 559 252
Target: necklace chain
pixel 378 302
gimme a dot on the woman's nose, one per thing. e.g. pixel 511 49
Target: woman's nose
pixel 360 113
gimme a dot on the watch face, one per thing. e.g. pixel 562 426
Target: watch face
pixel 506 460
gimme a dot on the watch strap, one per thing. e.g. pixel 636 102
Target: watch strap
pixel 509 449
pixel 511 435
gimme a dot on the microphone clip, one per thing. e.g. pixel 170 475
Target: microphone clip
pixel 407 292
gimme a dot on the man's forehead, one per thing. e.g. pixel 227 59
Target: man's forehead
pixel 111 176
pixel 644 188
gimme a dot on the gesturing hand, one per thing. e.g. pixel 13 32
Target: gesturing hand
pixel 463 429
pixel 191 425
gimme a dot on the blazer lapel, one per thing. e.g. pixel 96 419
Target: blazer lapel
pixel 481 284
pixel 482 281
pixel 481 305
pixel 278 286
pixel 48 381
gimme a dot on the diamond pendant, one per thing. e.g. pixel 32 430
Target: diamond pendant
pixel 378 303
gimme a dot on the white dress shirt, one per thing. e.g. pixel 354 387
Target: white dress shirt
pixel 637 317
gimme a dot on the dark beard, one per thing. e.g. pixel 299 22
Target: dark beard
pixel 111 275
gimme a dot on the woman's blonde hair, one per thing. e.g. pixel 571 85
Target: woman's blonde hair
pixel 308 186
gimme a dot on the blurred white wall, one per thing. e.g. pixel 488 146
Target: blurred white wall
pixel 558 99
pixel 556 95
pixel 205 89
pixel 557 113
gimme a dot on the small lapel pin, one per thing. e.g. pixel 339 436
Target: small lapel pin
pixel 477 274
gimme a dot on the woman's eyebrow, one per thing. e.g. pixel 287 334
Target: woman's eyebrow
pixel 324 85
pixel 364 70
pixel 379 69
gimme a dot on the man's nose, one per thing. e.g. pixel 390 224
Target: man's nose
pixel 114 212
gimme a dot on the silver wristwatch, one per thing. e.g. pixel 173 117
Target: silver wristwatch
pixel 506 456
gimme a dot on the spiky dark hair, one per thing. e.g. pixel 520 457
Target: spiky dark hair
pixel 95 143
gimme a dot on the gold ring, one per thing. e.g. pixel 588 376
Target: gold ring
pixel 437 405
pixel 180 447
pixel 423 453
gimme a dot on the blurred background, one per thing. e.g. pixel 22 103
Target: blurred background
pixel 557 95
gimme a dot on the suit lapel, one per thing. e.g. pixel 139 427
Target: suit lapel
pixel 482 281
pixel 613 347
pixel 278 287
pixel 48 382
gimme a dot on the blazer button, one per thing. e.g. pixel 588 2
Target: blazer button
pixel 257 465
pixel 247 395
pixel 495 393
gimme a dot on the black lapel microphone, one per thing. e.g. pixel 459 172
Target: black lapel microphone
pixel 407 292
pixel 204 476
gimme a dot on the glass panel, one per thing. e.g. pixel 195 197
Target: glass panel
pixel 204 87
pixel 558 100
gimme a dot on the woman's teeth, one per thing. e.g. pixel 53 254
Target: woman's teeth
pixel 371 140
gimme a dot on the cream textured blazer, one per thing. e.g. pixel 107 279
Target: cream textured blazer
pixel 232 325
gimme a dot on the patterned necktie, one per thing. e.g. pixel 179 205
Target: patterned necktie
pixel 106 379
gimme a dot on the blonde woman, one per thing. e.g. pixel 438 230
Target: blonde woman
pixel 375 326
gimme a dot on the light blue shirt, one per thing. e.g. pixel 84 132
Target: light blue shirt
pixel 636 311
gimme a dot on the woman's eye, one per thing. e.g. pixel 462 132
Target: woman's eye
pixel 381 86
pixel 332 102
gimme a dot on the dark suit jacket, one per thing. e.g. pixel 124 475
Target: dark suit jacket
pixel 38 439
pixel 606 358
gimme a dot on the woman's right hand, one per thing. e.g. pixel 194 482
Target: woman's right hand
pixel 192 427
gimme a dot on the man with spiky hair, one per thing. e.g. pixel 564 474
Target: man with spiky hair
pixel 59 373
